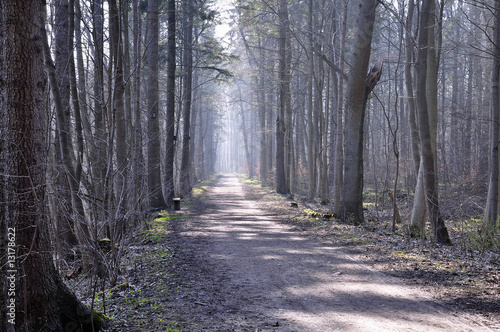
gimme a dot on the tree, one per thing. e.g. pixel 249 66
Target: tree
pixel 338 165
pixel 156 199
pixel 41 300
pixel 439 231
pixel 419 211
pixel 282 135
pixel 170 142
pixel 310 77
pixel 358 88
pixel 185 178
pixel 491 210
pixel 119 117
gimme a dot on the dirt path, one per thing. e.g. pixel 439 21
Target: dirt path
pixel 243 271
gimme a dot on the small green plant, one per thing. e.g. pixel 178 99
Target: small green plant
pixel 172 329
pixel 156 306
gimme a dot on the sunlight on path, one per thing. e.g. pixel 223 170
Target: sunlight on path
pixel 307 286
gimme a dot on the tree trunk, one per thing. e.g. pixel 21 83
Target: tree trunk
pixel 40 301
pixel 137 154
pixel 119 114
pixel 358 90
pixel 262 124
pixel 310 124
pixel 185 180
pixel 283 109
pixel 419 211
pixel 170 142
pixel 491 210
pixel 339 143
pixel 156 199
pixel 439 231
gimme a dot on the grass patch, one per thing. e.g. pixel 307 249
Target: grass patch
pixel 369 205
pixel 158 227
pixel 369 196
pixel 311 213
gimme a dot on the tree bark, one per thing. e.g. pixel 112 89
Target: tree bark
pixel 491 210
pixel 170 142
pixel 358 90
pixel 282 185
pixel 138 167
pixel 185 179
pixel 121 185
pixel 41 300
pixel 339 142
pixel 310 124
pixel 439 231
pixel 156 199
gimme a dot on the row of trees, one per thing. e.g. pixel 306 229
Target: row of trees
pixel 423 128
pixel 128 80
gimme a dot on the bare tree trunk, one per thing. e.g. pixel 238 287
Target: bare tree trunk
pixel 170 142
pixel 339 144
pixel 185 179
pixel 119 114
pixel 283 110
pixel 491 210
pixel 310 124
pixel 41 300
pixel 358 90
pixel 419 211
pixel 156 199
pixel 439 231
pixel 262 124
pixel 137 154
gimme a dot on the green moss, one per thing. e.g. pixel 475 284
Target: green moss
pixel 311 213
pixel 100 319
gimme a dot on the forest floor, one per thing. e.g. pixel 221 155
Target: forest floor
pixel 239 257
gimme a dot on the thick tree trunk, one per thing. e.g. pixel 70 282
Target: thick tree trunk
pixel 419 211
pixel 358 90
pixel 156 199
pixel 439 231
pixel 39 301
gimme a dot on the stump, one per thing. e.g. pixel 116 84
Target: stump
pixel 177 204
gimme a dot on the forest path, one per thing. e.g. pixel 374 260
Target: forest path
pixel 248 272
